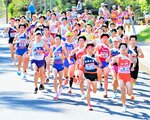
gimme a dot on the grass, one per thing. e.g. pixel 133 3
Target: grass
pixel 144 36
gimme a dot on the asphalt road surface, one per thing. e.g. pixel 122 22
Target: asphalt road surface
pixel 17 101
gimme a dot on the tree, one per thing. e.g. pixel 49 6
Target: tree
pixel 18 7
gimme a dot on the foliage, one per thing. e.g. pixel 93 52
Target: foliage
pixel 17 8
pixel 144 35
pixel 93 4
pixel 62 5
pixel 2 6
pixel 139 6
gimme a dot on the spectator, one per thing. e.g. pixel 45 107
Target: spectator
pixel 147 18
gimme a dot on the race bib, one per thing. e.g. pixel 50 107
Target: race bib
pixel 57 56
pixel 22 43
pixel 124 70
pixel 89 66
pixel 53 28
pixel 12 34
pixel 104 55
pixel 64 31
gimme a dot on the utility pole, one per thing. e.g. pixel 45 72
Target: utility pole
pixel 6 11
pixel 40 5
pixel 108 3
pixel 45 5
pixel 51 4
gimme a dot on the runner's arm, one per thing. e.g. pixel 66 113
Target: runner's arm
pixel 81 62
pixel 98 60
pixel 5 30
pixel 73 52
pixel 15 39
pixel 132 61
pixel 64 52
pixel 114 60
pixel 50 53
pixel 140 53
pixel 109 56
pixel 96 49
pixel 30 49
pixel 46 46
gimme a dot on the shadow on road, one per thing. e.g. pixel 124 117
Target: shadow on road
pixel 14 100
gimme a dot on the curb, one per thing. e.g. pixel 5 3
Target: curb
pixel 144 63
pixel 144 67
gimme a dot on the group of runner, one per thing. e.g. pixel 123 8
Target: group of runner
pixel 80 48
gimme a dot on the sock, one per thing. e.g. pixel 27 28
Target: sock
pixel 71 82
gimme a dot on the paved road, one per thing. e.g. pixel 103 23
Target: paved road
pixel 17 101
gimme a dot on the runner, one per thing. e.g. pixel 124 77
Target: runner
pixel 49 40
pixel 21 42
pixel 89 33
pixel 64 27
pixel 123 62
pixel 120 31
pixel 89 61
pixel 58 53
pixel 79 52
pixel 113 34
pixel 106 15
pixel 103 52
pixel 114 68
pixel 38 61
pixel 12 31
pixel 69 63
pixel 53 25
pixel 113 14
pixel 126 16
pixel 120 16
pixel 42 20
pixel 136 52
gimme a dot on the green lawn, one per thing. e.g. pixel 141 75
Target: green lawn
pixel 144 36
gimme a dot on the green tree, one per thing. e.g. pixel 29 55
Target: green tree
pixel 62 5
pixel 18 7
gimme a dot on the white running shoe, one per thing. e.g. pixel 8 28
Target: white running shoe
pixel 59 91
pixel 124 109
pixel 83 97
pixel 114 96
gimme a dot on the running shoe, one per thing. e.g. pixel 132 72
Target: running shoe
pixel 24 76
pixel 41 87
pixel 18 73
pixel 70 91
pixel 132 97
pixel 101 86
pixel 83 97
pixel 59 91
pixel 35 91
pixel 115 94
pixel 47 79
pixel 90 107
pixel 105 96
pixel 124 109
pixel 13 63
pixel 56 97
